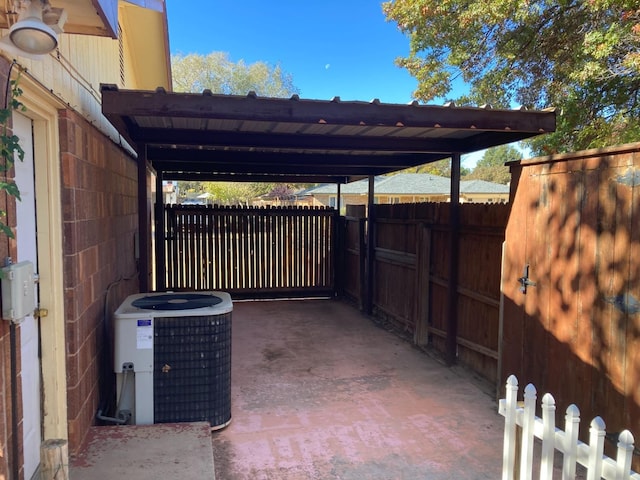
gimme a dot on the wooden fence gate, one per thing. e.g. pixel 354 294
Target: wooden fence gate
pixel 251 252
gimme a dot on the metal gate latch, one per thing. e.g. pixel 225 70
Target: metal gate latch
pixel 524 280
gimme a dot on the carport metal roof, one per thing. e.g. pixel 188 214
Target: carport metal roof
pixel 248 138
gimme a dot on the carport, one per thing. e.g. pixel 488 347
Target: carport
pixel 210 137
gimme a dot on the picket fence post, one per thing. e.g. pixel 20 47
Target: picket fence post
pixel 624 456
pixel 596 448
pixel 509 445
pixel 573 450
pixel 548 436
pixel 526 459
pixel 571 429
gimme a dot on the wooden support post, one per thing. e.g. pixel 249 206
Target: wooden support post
pixel 143 221
pixel 454 227
pixel 368 309
pixel 362 249
pixel 160 243
pixel 54 460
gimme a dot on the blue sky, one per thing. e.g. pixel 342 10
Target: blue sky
pixel 332 48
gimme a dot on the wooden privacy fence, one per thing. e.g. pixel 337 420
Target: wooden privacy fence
pixel 591 455
pixel 575 223
pixel 410 277
pixel 256 251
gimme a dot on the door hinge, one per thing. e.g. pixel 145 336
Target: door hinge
pixel 40 312
pixel 524 280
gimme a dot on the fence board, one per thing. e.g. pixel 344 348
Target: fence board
pixel 272 251
pixel 411 275
pixel 354 258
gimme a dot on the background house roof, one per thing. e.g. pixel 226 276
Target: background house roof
pixel 188 136
pixel 482 186
pixel 410 184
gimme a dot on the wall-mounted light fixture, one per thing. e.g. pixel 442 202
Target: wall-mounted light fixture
pixel 36 32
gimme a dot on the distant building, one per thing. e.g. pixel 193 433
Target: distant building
pixel 291 198
pixel 170 192
pixel 409 188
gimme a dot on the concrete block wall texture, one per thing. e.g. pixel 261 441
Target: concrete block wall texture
pixel 100 220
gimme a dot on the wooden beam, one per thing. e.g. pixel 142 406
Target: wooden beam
pixel 156 155
pixel 487 140
pixel 248 139
pixel 272 168
pixel 229 177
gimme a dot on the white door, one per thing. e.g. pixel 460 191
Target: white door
pixel 29 335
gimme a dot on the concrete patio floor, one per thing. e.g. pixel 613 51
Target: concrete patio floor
pixel 319 392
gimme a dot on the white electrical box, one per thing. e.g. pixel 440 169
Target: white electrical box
pixel 18 291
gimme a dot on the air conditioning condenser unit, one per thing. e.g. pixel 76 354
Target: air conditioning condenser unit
pixel 172 358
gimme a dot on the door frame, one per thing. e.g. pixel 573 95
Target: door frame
pixel 42 108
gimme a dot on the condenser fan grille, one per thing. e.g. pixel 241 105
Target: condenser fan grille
pixel 192 373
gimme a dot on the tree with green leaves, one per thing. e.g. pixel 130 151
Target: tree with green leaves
pixel 441 168
pixel 216 72
pixel 234 193
pixel 491 167
pixel 195 73
pixel 579 56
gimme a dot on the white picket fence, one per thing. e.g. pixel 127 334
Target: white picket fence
pixel 574 451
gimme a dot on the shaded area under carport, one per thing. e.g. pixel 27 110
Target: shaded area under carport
pixel 319 391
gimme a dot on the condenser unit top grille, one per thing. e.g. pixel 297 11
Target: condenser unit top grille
pixel 176 301
pixel 171 304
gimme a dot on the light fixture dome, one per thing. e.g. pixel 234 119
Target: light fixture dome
pixel 33 36
pixel 30 34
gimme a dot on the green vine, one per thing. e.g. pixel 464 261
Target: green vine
pixel 10 148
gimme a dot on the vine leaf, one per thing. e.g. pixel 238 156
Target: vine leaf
pixel 10 148
pixel 11 188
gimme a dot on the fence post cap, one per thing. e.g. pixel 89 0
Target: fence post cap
pixel 573 411
pixel 548 400
pixel 512 381
pixel 598 423
pixel 625 439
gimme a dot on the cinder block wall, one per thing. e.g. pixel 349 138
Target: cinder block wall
pixel 100 216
